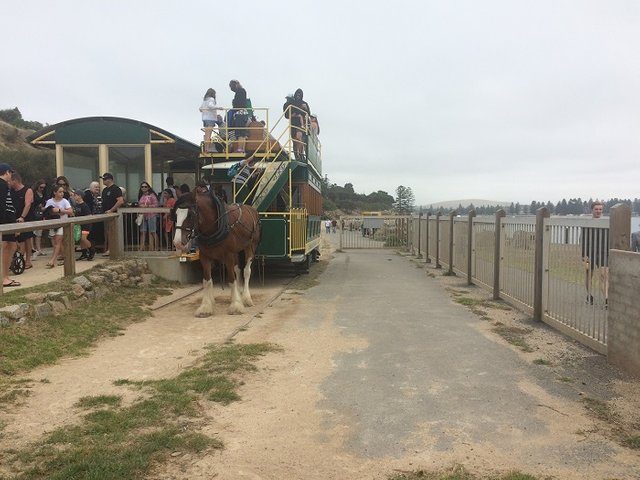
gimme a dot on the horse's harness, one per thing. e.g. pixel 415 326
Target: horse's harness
pixel 223 226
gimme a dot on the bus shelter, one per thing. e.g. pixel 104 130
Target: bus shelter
pixel 131 150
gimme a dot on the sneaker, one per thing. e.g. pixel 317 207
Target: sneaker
pixel 83 256
pixel 106 254
pixel 92 253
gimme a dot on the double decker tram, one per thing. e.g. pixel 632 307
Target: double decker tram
pixel 277 174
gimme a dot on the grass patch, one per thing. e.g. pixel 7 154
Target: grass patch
pixel 541 361
pixel 12 391
pixel 514 335
pixel 99 401
pixel 600 410
pixel 125 442
pixel 565 379
pixel 458 473
pixel 632 442
pixel 29 345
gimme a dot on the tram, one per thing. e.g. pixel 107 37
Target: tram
pixel 277 176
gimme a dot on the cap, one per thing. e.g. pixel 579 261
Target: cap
pixel 4 168
pixel 107 176
pixel 78 191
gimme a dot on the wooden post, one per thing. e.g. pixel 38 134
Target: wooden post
pixel 472 214
pixel 426 234
pixel 539 268
pixel 438 240
pixel 69 251
pixel 1 262
pixel 451 217
pixel 620 227
pixel 114 228
pixel 496 255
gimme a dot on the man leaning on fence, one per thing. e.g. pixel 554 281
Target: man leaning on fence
pixel 7 215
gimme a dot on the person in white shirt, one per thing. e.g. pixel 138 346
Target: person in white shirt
pixel 209 111
pixel 60 206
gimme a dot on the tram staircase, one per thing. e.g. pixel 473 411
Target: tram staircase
pixel 271 173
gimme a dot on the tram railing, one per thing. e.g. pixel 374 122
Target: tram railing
pixel 537 263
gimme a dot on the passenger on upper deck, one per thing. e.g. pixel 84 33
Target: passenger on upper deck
pixel 298 111
pixel 313 124
pixel 240 114
pixel 209 111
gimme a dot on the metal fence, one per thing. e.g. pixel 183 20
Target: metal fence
pixel 536 263
pixel 147 231
pixel 375 231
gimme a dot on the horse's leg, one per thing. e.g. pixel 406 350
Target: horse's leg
pixel 246 294
pixel 235 307
pixel 208 300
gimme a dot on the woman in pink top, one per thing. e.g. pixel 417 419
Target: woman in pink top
pixel 147 198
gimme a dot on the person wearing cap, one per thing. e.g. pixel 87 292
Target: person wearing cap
pixel 112 199
pixel 81 209
pixel 7 216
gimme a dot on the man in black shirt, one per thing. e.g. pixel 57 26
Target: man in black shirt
pixel 112 199
pixel 7 216
pixel 240 114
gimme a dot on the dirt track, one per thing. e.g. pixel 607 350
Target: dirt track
pixel 310 413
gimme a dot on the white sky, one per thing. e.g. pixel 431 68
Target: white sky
pixel 504 100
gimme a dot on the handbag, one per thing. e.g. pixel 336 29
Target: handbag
pixel 77 233
pixel 139 219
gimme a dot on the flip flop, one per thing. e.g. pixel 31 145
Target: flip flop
pixel 12 283
pixel 49 265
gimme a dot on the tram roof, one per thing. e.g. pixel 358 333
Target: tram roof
pixel 108 130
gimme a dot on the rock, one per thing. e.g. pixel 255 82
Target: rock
pixel 54 295
pixel 36 297
pixel 57 307
pixel 96 279
pixel 4 321
pixel 14 312
pixel 78 291
pixel 42 310
pixel 83 282
pixel 91 295
pixel 102 291
pixel 123 276
pixel 147 279
pixel 65 300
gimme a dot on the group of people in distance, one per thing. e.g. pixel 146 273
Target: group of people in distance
pixel 234 126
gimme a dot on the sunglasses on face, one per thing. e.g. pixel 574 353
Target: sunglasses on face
pixel 144 186
pixel 63 184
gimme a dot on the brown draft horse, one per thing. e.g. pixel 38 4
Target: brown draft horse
pixel 223 233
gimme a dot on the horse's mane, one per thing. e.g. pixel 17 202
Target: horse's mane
pixel 182 199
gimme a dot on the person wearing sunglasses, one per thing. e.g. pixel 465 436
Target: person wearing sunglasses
pixel 63 182
pixel 147 198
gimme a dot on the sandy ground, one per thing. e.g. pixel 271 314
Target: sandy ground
pixel 284 428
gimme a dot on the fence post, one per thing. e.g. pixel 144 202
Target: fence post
pixel 419 239
pixel 426 234
pixel 1 261
pixel 451 217
pixel 539 267
pixel 115 235
pixel 438 240
pixel 341 230
pixel 69 251
pixel 496 255
pixel 620 227
pixel 472 214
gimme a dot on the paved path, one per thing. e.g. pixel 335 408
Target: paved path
pixel 430 382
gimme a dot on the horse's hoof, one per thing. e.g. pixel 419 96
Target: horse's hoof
pixel 203 314
pixel 235 310
pixel 247 302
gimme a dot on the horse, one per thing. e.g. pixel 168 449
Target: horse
pixel 223 232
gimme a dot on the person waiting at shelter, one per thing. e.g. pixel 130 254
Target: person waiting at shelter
pixel 147 198
pixel 7 217
pixel 169 200
pixel 57 207
pixel 112 199
pixel 37 206
pixel 81 209
pixel 22 201
pixel 63 181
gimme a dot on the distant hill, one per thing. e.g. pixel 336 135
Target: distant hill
pixel 32 163
pixel 14 138
pixel 466 202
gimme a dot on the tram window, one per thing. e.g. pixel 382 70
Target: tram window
pixel 81 165
pixel 127 166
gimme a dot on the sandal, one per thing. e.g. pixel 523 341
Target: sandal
pixel 12 283
pixel 49 265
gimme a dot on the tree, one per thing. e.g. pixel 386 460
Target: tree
pixel 404 200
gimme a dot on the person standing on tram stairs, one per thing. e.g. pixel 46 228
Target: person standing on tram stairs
pixel 209 109
pixel 298 111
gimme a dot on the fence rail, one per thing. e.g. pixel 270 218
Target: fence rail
pixel 555 268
